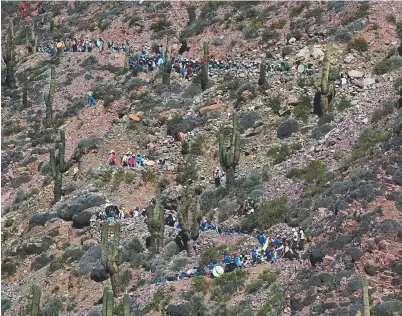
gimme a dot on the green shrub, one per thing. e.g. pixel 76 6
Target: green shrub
pixel 314 172
pixel 343 104
pixel 229 283
pixel 200 285
pixel 210 254
pixel 129 177
pixel 390 18
pixel 244 87
pixel 359 43
pixel 303 110
pixel 118 179
pixel 268 276
pixel 9 222
pixel 274 102
pixel 296 11
pixel 8 269
pixel 187 171
pixel 161 24
pixel 278 24
pixel 148 175
pixel 387 65
pixel 179 263
pixel 161 298
pixel 398 83
pixel 197 145
pixel 254 286
pixel 52 307
pixel 366 142
pixel 279 153
pixel 269 34
pixel 268 214
pixel 350 17
pixel 191 14
pixel 386 108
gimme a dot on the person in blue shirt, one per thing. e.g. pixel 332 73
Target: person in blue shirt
pixel 277 240
pixel 237 260
pixel 261 239
pixel 226 259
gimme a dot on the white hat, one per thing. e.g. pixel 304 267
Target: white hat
pixel 293 229
pixel 112 151
pixel 218 271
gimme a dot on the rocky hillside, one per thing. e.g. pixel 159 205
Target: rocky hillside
pixel 335 171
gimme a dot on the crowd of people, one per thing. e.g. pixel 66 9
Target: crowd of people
pixel 130 160
pixel 266 250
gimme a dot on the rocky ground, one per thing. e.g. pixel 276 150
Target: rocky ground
pixel 338 176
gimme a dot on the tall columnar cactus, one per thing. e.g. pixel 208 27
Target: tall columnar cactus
pixel 126 306
pixel 49 98
pixel 167 67
pixel 112 261
pixel 204 69
pixel 105 242
pixel 189 214
pixel 126 55
pixel 324 86
pixel 229 156
pixel 9 56
pixel 58 165
pixel 25 95
pixel 366 298
pixel 108 302
pixel 31 41
pixel 263 67
pixel 36 292
pixel 156 224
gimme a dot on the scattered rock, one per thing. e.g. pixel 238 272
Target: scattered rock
pixel 356 74
pixel 287 128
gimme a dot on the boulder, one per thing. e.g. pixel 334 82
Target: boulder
pixel 356 74
pixel 84 218
pixel 287 128
pixel 40 219
pixel 179 310
pixel 318 53
pixel 368 81
pixel 209 108
pixel 170 250
pixel 80 204
pixel 43 260
pixel 36 245
pixel 349 58
pixel 292 40
pixel 304 53
pixel 89 260
pixel 99 274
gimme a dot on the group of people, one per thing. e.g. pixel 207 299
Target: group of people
pixel 130 160
pixel 111 212
pixel 264 251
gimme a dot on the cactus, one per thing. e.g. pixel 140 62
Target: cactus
pixel 325 88
pixel 263 67
pixel 9 56
pixel 366 298
pixel 126 55
pixel 36 292
pixel 108 301
pixel 229 157
pixel 110 256
pixel 126 306
pixel 156 224
pixel 58 165
pixel 31 43
pixel 49 98
pixel 204 69
pixel 167 66
pixel 189 214
pixel 25 95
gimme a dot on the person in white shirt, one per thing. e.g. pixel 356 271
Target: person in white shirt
pixel 302 238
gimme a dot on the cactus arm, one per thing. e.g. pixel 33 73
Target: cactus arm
pixel 366 298
pixel 126 305
pixel 110 302
pixel 62 150
pixel 326 68
pixel 104 241
pixel 53 162
pixel 222 149
pixel 36 291
pixel 204 73
pixel 50 96
pixel 236 148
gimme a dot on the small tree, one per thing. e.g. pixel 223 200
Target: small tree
pixel 156 224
